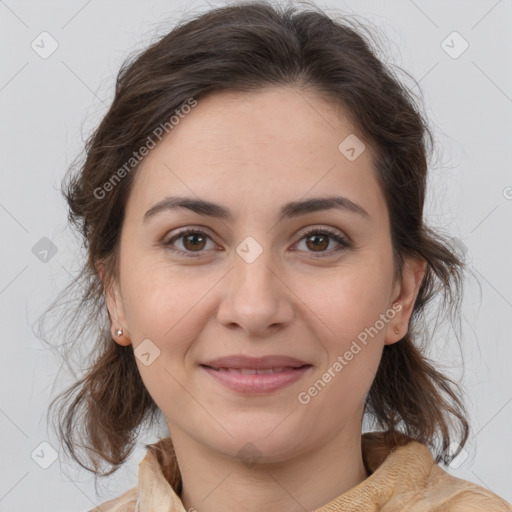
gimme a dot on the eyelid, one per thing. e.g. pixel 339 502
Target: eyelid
pixel 301 232
pixel 328 229
pixel 344 241
pixel 180 233
pixel 184 230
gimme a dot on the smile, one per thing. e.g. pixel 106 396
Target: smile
pixel 254 381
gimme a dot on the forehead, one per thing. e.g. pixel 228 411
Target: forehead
pixel 253 149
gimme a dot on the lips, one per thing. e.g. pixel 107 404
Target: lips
pixel 255 365
pixel 256 375
pixel 253 371
pixel 250 381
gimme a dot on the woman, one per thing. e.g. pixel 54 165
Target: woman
pixel 252 206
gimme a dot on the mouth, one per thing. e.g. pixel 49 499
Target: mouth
pixel 255 371
pixel 253 381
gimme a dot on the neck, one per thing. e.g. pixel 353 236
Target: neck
pixel 214 482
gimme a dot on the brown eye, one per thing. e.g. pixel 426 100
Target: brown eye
pixel 318 240
pixel 192 241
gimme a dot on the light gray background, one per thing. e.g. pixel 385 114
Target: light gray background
pixel 47 105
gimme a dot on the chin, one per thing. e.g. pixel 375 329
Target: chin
pixel 255 445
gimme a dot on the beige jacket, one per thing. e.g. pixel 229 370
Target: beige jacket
pixel 405 479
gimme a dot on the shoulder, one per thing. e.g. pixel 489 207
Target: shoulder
pixel 124 503
pixel 413 479
pixel 446 493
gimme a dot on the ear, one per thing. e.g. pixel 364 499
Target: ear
pixel 405 293
pixel 115 309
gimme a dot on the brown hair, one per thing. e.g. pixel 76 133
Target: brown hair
pixel 244 48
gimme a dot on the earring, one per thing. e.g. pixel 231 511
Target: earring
pixel 119 332
pixel 397 330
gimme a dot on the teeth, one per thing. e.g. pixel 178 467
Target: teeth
pixel 270 370
pixel 252 371
pixel 244 371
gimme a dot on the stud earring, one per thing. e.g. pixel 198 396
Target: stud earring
pixel 119 332
pixel 397 330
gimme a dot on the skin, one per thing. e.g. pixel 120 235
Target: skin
pixel 252 153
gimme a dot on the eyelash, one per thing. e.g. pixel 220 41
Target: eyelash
pixel 344 243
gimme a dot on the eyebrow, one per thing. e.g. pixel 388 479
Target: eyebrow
pixel 288 211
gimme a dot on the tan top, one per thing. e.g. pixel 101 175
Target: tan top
pixel 404 479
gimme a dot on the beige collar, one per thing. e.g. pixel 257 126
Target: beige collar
pixel 405 478
pixel 159 483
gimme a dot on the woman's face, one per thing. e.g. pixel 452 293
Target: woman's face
pixel 252 283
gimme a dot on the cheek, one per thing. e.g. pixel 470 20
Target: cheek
pixel 168 316
pixel 350 304
pixel 348 300
pixel 157 296
pixel 167 306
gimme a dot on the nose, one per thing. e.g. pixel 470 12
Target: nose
pixel 256 296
